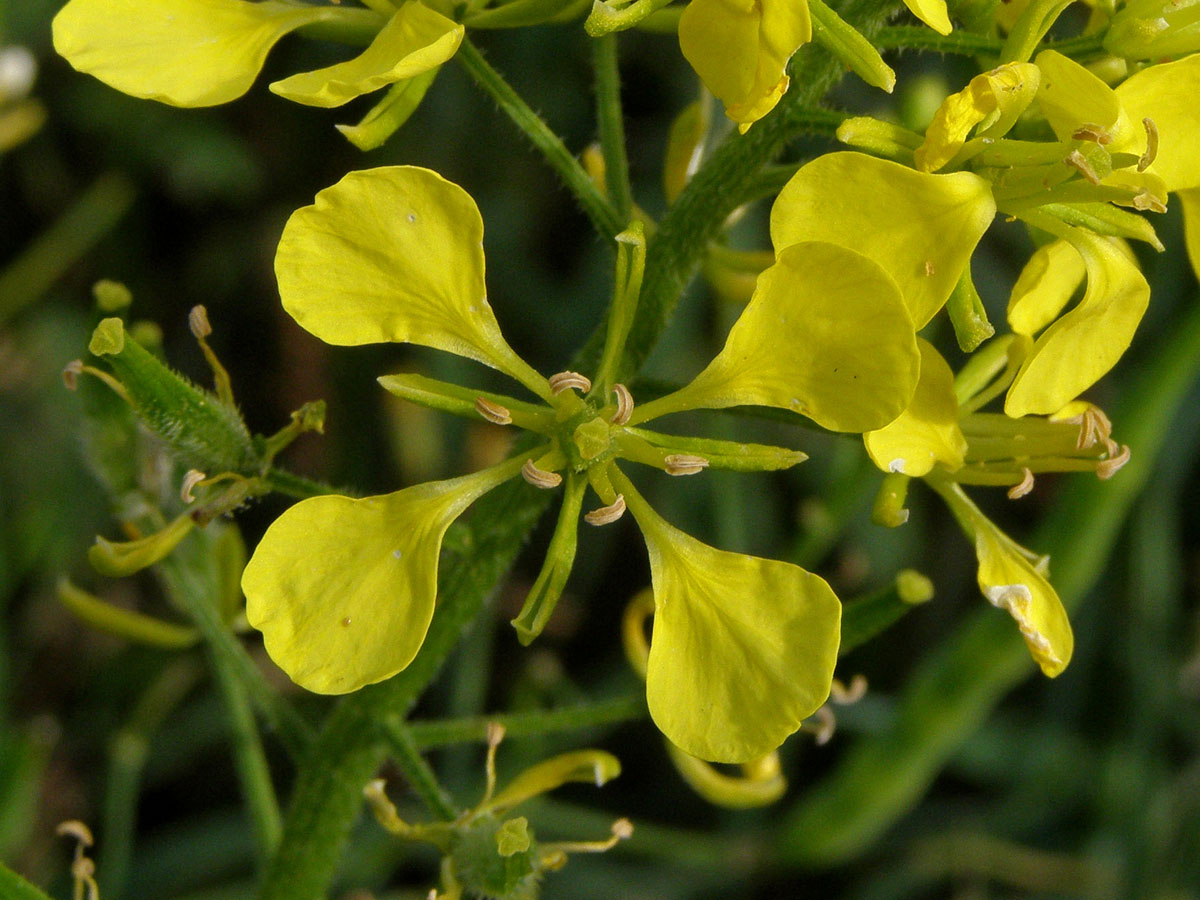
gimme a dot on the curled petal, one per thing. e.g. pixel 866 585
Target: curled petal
pixel 927 433
pixel 1044 287
pixel 415 40
pixel 343 590
pixel 925 238
pixel 394 254
pixel 181 52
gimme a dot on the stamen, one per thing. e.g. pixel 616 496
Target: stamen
pixel 495 734
pixel 190 480
pixel 844 696
pixel 606 514
pixel 1144 200
pixel 71 372
pixel 684 463
pixel 1019 490
pixel 622 829
pixel 493 412
pixel 826 725
pixel 1076 160
pixel 540 478
pixel 198 322
pixel 383 808
pixel 1107 468
pixel 1151 145
pixel 624 404
pixel 76 829
pixel 1094 133
pixel 563 380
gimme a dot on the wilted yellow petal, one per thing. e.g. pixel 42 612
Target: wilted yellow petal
pixel 932 12
pixel 1081 346
pixel 394 254
pixel 586 766
pixel 415 40
pixel 343 589
pixel 927 433
pixel 740 49
pixel 920 228
pixel 1166 93
pixel 826 335
pixel 743 648
pixel 181 52
pixel 1044 287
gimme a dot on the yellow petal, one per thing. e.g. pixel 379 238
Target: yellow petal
pixel 1044 287
pixel 1189 200
pixel 932 12
pixel 927 433
pixel 181 52
pixel 1166 93
pixel 585 766
pixel 394 254
pixel 740 49
pixel 1072 96
pixel 415 40
pixel 343 589
pixel 743 648
pixel 1079 348
pixel 921 228
pixel 826 335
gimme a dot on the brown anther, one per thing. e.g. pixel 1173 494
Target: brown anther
pixel 198 322
pixel 1151 145
pixel 684 463
pixel 604 515
pixel 825 726
pixel 1094 426
pixel 843 695
pixel 1023 487
pixel 76 829
pixel 1147 202
pixel 493 412
pixel 1078 161
pixel 540 478
pixel 624 404
pixel 563 380
pixel 71 372
pixel 1107 468
pixel 1097 134
pixel 190 480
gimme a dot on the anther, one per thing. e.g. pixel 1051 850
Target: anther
pixel 1094 133
pixel 1107 468
pixel 684 463
pixel 198 322
pixel 1151 145
pixel 71 372
pixel 605 515
pixel 540 478
pixel 563 380
pixel 825 726
pixel 493 412
pixel 1144 200
pixel 190 480
pixel 76 829
pixel 1023 487
pixel 843 695
pixel 624 404
pixel 1077 161
pixel 622 829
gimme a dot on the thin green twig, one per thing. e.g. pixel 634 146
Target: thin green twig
pixel 418 772
pixel 921 38
pixel 611 123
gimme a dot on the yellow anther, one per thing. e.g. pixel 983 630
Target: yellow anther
pixel 76 829
pixel 605 515
pixel 493 412
pixel 825 725
pixel 1023 487
pixel 843 695
pixel 1077 161
pixel 540 478
pixel 1151 145
pixel 190 480
pixel 684 463
pixel 624 404
pixel 198 322
pixel 563 380
pixel 1107 468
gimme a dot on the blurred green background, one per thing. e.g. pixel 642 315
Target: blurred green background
pixel 961 774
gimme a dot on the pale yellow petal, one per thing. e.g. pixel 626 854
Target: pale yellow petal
pixel 1045 287
pixel 1167 94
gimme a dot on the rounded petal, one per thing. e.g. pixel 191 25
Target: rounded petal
pixel 743 648
pixel 343 590
pixel 415 40
pixel 181 52
pixel 921 228
pixel 1044 287
pixel 1081 346
pixel 740 49
pixel 1072 96
pixel 826 335
pixel 927 433
pixel 932 12
pixel 1166 93
pixel 394 254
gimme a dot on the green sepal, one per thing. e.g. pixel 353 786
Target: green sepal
pixel 386 116
pixel 889 510
pixel 460 401
pixel 1029 29
pixel 204 432
pixel 117 559
pixel 967 314
pixel 879 138
pixel 865 617
pixel 606 18
pixel 1153 29
pixel 556 569
pixel 1102 218
pixel 650 447
pixel 125 623
pixel 841 39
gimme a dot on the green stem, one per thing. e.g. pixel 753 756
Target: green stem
pixel 919 37
pixel 420 776
pixel 602 213
pixel 1084 48
pixel 292 485
pixel 611 123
